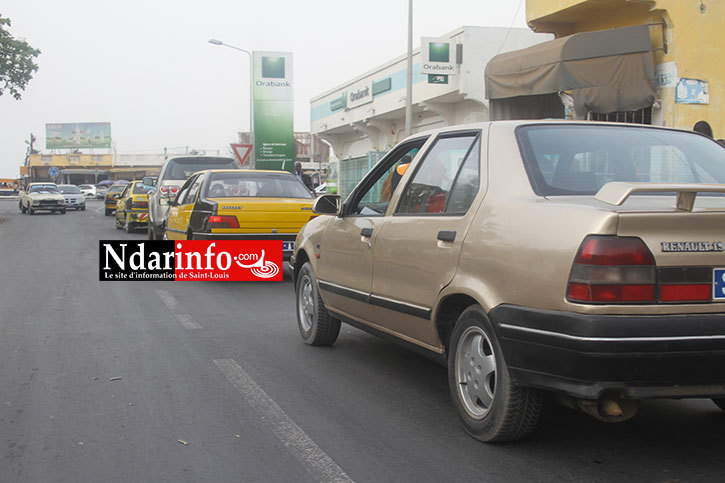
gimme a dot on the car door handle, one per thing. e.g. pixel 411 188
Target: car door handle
pixel 446 236
pixel 366 232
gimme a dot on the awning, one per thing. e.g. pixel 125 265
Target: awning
pixel 606 70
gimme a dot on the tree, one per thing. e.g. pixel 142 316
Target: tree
pixel 17 62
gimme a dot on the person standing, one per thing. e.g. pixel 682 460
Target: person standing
pixel 305 178
pixel 703 127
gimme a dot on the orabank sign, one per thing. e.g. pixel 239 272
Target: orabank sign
pixel 191 260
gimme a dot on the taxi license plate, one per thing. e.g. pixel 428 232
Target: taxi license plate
pixel 718 284
pixel 288 246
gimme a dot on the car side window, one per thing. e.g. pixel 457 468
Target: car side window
pixel 447 179
pixel 181 196
pixel 125 191
pixel 193 190
pixel 374 200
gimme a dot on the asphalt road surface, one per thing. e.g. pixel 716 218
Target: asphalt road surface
pixel 210 381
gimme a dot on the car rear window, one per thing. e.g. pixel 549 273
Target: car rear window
pixel 579 159
pixel 116 187
pixel 259 185
pixel 141 189
pixel 181 169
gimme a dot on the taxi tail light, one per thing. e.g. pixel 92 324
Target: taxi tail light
pixel 610 269
pixel 223 221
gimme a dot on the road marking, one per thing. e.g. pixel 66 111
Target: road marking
pixel 187 321
pixel 170 301
pixel 167 299
pixel 317 462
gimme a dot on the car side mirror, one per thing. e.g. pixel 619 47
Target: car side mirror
pixel 328 205
pixel 149 181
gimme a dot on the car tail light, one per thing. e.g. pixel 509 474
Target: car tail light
pixel 164 190
pixel 223 221
pixel 610 269
pixel 174 189
pixel 141 205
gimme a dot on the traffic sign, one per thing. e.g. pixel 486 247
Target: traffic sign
pixel 53 172
pixel 242 151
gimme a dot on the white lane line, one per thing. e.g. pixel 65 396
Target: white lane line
pixel 317 462
pixel 170 301
pixel 187 321
pixel 167 299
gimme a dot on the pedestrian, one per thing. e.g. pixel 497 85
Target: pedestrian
pixel 703 127
pixel 305 178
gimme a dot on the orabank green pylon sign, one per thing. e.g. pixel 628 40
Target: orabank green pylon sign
pixel 274 141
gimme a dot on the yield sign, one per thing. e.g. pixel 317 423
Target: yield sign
pixel 241 151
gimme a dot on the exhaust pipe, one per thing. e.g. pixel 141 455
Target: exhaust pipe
pixel 610 408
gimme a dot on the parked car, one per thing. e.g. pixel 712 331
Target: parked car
pixel 101 192
pixel 74 198
pixel 583 259
pixel 114 192
pixel 41 196
pixel 240 204
pixel 88 190
pixel 173 174
pixel 132 207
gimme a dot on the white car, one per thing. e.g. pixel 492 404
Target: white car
pixel 74 197
pixel 88 190
pixel 41 196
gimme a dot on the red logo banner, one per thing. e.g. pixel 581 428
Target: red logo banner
pixel 228 260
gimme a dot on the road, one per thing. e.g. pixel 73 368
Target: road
pixel 100 381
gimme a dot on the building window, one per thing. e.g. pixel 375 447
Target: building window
pixel 642 116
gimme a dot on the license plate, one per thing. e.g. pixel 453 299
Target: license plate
pixel 718 284
pixel 288 246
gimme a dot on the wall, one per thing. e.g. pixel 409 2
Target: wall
pixel 692 40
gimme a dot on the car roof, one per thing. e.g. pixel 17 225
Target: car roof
pixel 524 122
pixel 273 171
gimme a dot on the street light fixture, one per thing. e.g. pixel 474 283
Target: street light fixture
pixel 251 93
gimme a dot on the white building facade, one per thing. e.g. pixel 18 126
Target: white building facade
pixel 367 114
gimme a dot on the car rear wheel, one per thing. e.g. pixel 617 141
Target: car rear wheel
pixel 108 212
pixel 491 407
pixel 316 325
pixel 720 402
pixel 150 230
pixel 62 212
pixel 129 225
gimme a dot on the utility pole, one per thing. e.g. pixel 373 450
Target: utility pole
pixel 409 74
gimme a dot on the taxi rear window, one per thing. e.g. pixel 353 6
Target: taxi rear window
pixel 258 185
pixel 181 169
pixel 576 159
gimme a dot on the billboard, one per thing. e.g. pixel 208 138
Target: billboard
pixel 273 111
pixel 78 135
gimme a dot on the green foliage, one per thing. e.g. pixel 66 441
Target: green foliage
pixel 17 62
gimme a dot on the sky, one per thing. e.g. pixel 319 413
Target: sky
pixel 147 66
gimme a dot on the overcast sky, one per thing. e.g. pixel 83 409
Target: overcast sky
pixel 148 69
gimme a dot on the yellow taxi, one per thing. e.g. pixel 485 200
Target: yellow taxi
pixel 240 205
pixel 132 208
pixel 114 192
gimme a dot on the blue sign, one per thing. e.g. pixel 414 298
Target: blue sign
pixel 692 91
pixel 53 172
pixel 718 284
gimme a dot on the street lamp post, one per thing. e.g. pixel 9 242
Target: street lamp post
pixel 251 93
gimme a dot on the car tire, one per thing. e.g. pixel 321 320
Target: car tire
pixel 491 407
pixel 719 402
pixel 317 326
pixel 128 226
pixel 62 212
pixel 150 230
pixel 108 212
pixel 83 208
